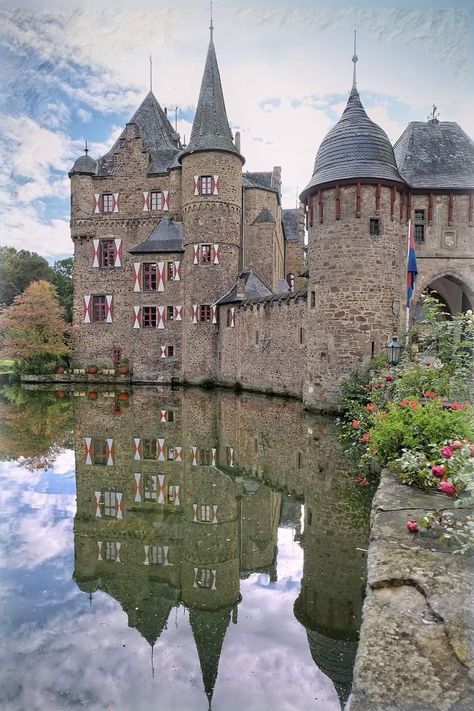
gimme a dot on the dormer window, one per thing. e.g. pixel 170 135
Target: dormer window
pixel 206 184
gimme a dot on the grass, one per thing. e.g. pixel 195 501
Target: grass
pixel 6 366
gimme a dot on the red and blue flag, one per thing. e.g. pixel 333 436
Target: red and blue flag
pixel 412 268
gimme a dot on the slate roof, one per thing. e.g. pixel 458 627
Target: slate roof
pixel 354 148
pixel 166 237
pixel 211 129
pixel 435 154
pixel 291 224
pixel 264 216
pixel 254 289
pixel 287 296
pixel 259 179
pixel 159 138
pixel 84 164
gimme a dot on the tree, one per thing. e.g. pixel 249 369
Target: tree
pixel 62 280
pixel 18 269
pixel 33 329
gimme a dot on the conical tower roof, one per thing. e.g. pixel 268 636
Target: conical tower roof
pixel 211 131
pixel 355 148
pixel 158 136
pixel 209 628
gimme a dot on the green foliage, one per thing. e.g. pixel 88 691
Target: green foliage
pixel 353 391
pixel 17 270
pixel 408 425
pixel 62 280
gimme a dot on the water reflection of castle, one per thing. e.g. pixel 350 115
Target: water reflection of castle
pixel 180 496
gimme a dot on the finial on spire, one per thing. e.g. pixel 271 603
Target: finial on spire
pixel 354 59
pixel 211 26
pixel 434 115
pixel 151 74
pixel 86 150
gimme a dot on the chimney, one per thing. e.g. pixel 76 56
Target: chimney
pixel 301 221
pixel 276 178
pixel 166 110
pixel 240 293
pixel 237 140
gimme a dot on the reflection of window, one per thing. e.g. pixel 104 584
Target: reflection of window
pixel 205 513
pixel 116 355
pixel 149 448
pixel 205 457
pixel 150 487
pixel 99 451
pixel 157 555
pixel 110 550
pixel 110 504
pixel 205 578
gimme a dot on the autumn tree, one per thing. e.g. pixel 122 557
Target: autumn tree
pixel 33 331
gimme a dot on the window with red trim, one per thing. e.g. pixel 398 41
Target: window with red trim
pixel 206 254
pixel 107 253
pixel 205 313
pixel 149 317
pixel 107 202
pixel 156 200
pixel 99 308
pixel 150 282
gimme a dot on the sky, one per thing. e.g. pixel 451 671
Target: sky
pixel 79 70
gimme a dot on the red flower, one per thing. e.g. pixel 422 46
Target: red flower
pixel 414 404
pixel 389 378
pixel 365 437
pixel 456 444
pixel 412 526
pixel 438 470
pixel 447 487
pixel 370 407
pixel 355 424
pixel 447 452
pixel 368 388
pixel 378 385
pixel 361 480
pixel 458 405
pixel 430 393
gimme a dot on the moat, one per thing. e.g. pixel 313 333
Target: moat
pixel 176 550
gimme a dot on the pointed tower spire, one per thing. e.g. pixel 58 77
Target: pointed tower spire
pixel 209 628
pixel 211 131
pixel 355 59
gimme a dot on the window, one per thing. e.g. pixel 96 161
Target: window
pixel 149 317
pixel 309 519
pixel 301 330
pixel 156 200
pixel 206 254
pixel 205 457
pixel 419 226
pixel 204 578
pixel 206 184
pixel 170 271
pixel 149 449
pixel 170 313
pixel 229 318
pixel 99 308
pixel 256 338
pixel 170 413
pixel 110 504
pixel 156 555
pixel 300 460
pixel 149 276
pixel 313 299
pixel 150 487
pixel 170 452
pixel 291 281
pixel 205 313
pixel 107 202
pixel 107 253
pixel 111 550
pixel 205 513
pixel 374 226
pixel 116 356
pixel 170 354
pixel 99 451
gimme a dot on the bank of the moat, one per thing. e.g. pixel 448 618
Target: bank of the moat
pixel 174 547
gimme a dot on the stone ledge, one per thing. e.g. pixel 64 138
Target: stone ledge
pixel 416 641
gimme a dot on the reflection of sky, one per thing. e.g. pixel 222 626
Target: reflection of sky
pixel 60 652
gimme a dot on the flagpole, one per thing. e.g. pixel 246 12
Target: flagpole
pixel 407 313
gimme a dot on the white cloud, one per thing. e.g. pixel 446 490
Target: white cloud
pixel 84 115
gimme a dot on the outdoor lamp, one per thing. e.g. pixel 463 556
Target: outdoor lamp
pixel 393 351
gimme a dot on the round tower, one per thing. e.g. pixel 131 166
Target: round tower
pixel 212 215
pixel 356 251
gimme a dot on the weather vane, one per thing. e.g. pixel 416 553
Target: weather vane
pixel 434 115
pixel 354 59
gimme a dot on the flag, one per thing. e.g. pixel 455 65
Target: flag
pixel 412 268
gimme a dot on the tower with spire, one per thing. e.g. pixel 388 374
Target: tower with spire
pixel 356 243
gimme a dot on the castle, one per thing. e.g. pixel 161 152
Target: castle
pixel 189 267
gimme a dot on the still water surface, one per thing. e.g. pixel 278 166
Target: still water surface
pixel 177 550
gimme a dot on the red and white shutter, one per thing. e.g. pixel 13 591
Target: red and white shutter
pixel 96 203
pixel 147 560
pixel 196 184
pixel 165 200
pixel 178 454
pixel 162 351
pixel 138 487
pixel 178 313
pixel 146 201
pixel 214 513
pixel 177 271
pixel 196 254
pixel 137 276
pixel 176 500
pixel 87 308
pixel 115 202
pixel 163 415
pixel 118 252
pixel 136 448
pixel 214 314
pixel 95 252
pixel 119 504
pixel 195 514
pixel 110 452
pixel 137 317
pixel 161 450
pixel 215 185
pixel 161 489
pixel 108 308
pixel 88 449
pixel 216 253
pixel 195 313
pixel 99 550
pixel 118 546
pixel 97 504
pixel 161 317
pixel 231 456
pixel 214 452
pixel 232 316
pixel 161 281
pixel 194 453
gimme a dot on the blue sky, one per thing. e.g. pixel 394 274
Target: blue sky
pixel 81 71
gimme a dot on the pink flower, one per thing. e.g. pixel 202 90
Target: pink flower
pixel 365 437
pixel 412 526
pixel 370 407
pixel 378 385
pixel 456 444
pixel 438 470
pixel 429 393
pixel 447 452
pixel 389 378
pixel 361 480
pixel 355 424
pixel 447 487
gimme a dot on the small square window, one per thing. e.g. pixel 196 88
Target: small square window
pixel 107 202
pixel 419 226
pixel 206 254
pixel 156 200
pixel 374 226
pixel 149 317
pixel 206 184
pixel 205 313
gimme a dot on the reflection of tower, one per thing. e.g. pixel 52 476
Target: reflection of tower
pixel 209 628
pixel 259 533
pixel 332 589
